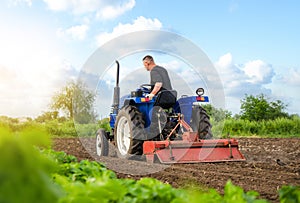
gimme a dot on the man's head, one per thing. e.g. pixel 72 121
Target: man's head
pixel 148 62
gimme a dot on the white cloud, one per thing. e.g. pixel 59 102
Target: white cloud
pixel 292 77
pixel 141 23
pixel 175 65
pixel 184 78
pixel 259 71
pixel 238 80
pixel 18 2
pixel 257 77
pixel 244 79
pixel 225 61
pixel 231 75
pixel 113 11
pixel 103 9
pixel 76 6
pixel 77 32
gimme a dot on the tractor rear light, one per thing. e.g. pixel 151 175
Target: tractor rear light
pixel 199 98
pixel 145 99
pixel 202 99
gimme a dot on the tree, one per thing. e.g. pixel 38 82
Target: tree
pixel 256 108
pixel 47 116
pixel 217 114
pixel 76 101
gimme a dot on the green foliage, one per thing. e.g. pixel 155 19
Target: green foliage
pixel 69 129
pixel 217 114
pixel 61 129
pixel 84 170
pixel 257 108
pixel 104 123
pixel 280 127
pixel 151 190
pixel 217 118
pixel 57 128
pixel 90 181
pixel 289 194
pixel 24 172
pixel 234 193
pixel 47 116
pixel 6 119
pixel 14 124
pixel 92 191
pixel 210 196
pixel 59 157
pixel 29 174
pixel 76 101
pixel 84 130
pixel 119 190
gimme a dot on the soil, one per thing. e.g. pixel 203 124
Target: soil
pixel 270 163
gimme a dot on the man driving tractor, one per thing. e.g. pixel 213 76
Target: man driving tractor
pixel 159 77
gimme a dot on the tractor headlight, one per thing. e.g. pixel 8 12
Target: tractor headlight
pixel 200 91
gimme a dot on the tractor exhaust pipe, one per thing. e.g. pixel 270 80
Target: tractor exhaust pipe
pixel 116 100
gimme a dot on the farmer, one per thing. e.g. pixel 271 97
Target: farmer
pixel 159 77
pixel 160 83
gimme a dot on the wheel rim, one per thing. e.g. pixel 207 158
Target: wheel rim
pixel 123 136
pixel 99 145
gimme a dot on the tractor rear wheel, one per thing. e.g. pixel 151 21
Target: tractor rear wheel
pixel 129 132
pixel 200 122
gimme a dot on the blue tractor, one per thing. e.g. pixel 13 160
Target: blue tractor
pixel 174 130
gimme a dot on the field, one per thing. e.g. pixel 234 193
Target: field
pixel 271 163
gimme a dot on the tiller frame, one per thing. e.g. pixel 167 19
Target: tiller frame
pixel 191 149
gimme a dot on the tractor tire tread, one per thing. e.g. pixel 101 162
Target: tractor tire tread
pixel 137 129
pixel 204 126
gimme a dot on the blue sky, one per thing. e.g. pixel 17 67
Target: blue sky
pixel 254 45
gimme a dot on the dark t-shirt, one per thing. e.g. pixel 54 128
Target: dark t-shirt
pixel 160 74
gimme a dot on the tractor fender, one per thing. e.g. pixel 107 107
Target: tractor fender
pixel 129 102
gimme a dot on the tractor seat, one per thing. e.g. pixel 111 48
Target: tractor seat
pixel 166 99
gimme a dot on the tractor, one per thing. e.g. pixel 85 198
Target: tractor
pixel 164 128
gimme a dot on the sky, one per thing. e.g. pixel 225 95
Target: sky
pixel 253 45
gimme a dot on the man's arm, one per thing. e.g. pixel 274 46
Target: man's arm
pixel 155 90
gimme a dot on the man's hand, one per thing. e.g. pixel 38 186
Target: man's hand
pixel 150 96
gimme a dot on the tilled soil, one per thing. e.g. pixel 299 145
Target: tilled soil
pixel 270 163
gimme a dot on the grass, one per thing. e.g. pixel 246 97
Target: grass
pixel 278 128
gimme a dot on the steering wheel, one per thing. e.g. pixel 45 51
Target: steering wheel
pixel 146 87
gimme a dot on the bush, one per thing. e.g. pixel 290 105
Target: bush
pixel 56 127
pixel 280 127
pixel 84 130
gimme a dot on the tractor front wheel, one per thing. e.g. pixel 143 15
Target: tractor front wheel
pixel 102 146
pixel 129 132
